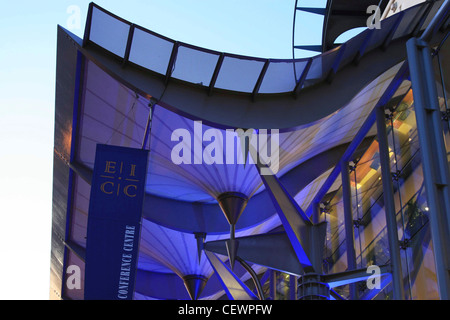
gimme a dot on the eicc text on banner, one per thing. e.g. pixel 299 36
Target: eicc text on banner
pixel 114 222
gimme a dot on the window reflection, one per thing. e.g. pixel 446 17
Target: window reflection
pixel 371 240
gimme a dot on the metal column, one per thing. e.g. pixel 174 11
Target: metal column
pixel 348 223
pixel 272 285
pixel 389 206
pixel 434 158
pixel 292 287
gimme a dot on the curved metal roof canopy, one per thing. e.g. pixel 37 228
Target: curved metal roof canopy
pixel 234 91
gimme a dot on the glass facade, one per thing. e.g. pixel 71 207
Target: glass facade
pixel 368 210
pixel 412 211
pixel 441 65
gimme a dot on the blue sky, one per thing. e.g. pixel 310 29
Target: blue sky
pixel 27 90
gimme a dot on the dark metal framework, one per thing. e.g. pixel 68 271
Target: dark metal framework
pixel 331 69
pixel 434 154
pixel 329 11
pixel 338 17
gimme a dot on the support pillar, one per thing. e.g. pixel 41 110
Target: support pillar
pixel 272 285
pixel 232 205
pixel 292 287
pixel 311 287
pixel 348 224
pixel 389 206
pixel 434 157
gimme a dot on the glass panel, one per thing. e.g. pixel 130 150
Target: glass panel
pixel 300 66
pixel 111 114
pixel 194 65
pixel 335 257
pixel 308 28
pixel 150 51
pixel 332 209
pixel 301 53
pixel 417 253
pixel 315 71
pixel 411 206
pixel 108 32
pixel 239 74
pixel 349 34
pixel 370 239
pixel 312 3
pixel 279 77
pixel 278 286
pixel 442 75
pixel 282 286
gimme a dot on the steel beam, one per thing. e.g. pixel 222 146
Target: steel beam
pixel 254 276
pixel 312 287
pixel 126 56
pixel 233 286
pixel 317 48
pixel 302 79
pixel 272 250
pixel 306 238
pixel 272 285
pixel 170 66
pixel 348 277
pixel 292 287
pixel 260 79
pixel 389 206
pixel 348 223
pixel 87 29
pixel 212 83
pixel 321 11
pixel 434 157
pixel 148 127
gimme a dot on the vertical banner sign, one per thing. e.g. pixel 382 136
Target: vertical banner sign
pixel 114 222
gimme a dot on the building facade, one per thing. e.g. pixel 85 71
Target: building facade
pixel 266 179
